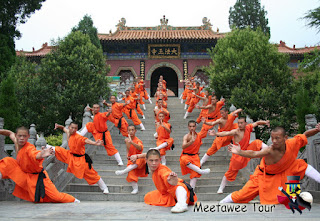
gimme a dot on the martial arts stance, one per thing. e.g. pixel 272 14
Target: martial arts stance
pixel 32 181
pixel 164 141
pixel 79 163
pixel 189 159
pixel 135 168
pixel 99 130
pixel 241 136
pixel 278 162
pixel 171 191
pixel 225 124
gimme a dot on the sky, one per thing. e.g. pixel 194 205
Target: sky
pixel 56 18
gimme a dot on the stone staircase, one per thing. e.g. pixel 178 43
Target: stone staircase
pixel 120 189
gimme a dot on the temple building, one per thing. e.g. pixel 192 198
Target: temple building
pixel 173 52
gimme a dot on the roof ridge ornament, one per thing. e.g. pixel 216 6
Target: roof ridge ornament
pixel 164 23
pixel 206 23
pixel 122 24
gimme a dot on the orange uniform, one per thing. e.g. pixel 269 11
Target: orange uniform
pixel 166 118
pixel 267 178
pixel 25 172
pixel 130 112
pixel 223 141
pixel 76 159
pixel 140 171
pixel 117 118
pixel 213 116
pixel 164 103
pixel 190 155
pixel 165 194
pixel 134 95
pixel 185 93
pixel 164 136
pixel 238 162
pixel 194 100
pixel 99 130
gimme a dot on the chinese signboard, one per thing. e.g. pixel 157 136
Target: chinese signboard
pixel 142 69
pixel 164 51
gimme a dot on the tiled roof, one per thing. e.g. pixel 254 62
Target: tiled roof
pixel 283 48
pixel 43 51
pixel 178 34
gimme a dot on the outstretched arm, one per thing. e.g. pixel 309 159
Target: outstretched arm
pixel 96 143
pixel 44 153
pixel 314 131
pixel 204 107
pixel 236 149
pixel 8 133
pixel 223 133
pixel 204 121
pixel 58 126
pixel 261 122
pixel 236 112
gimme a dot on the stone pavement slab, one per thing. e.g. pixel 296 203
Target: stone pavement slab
pixel 139 211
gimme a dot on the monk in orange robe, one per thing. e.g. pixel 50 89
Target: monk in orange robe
pixel 197 92
pixel 205 101
pixel 164 103
pixel 164 141
pixel 278 162
pixel 241 135
pixel 79 163
pixel 129 110
pixel 135 168
pixel 164 83
pixel 159 108
pixel 213 113
pixel 190 86
pixel 116 115
pixel 136 98
pixel 225 124
pixel 171 191
pixel 186 89
pixel 189 159
pixel 99 130
pixel 144 92
pixel 32 181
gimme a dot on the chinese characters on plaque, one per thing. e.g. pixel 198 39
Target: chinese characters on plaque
pixel 142 69
pixel 164 51
pixel 185 69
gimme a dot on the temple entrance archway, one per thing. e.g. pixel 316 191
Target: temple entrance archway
pixel 169 75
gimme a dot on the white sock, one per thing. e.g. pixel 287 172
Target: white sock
pixel 163 145
pixel 144 106
pixel 185 106
pixel 186 115
pixel 143 117
pixel 180 96
pixel 193 182
pixel 134 187
pixel 312 173
pixel 102 184
pixel 150 100
pixel 76 200
pixel 83 132
pixel 227 199
pixel 197 169
pixel 0 175
pixel 126 170
pixel 181 101
pixel 163 160
pixel 181 195
pixel 223 184
pixel 204 159
pixel 155 135
pixel 142 127
pixel 118 158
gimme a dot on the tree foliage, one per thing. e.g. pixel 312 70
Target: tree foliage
pixel 313 18
pixel 9 104
pixel 248 13
pixel 86 27
pixel 13 13
pixel 67 80
pixel 249 72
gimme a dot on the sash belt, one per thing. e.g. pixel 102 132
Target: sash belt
pixel 87 157
pixel 191 191
pixel 40 189
pixel 266 173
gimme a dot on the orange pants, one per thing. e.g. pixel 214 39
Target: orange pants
pixel 186 160
pixel 111 150
pixel 218 143
pixel 205 128
pixel 188 99
pixel 77 166
pixel 193 103
pixel 133 117
pixel 26 184
pixel 169 142
pixel 237 162
pixel 266 186
pixel 140 171
pixel 203 113
pixel 184 94
pixel 138 108
pixel 123 127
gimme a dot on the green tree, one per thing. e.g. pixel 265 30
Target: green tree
pixel 250 73
pixel 86 27
pixel 9 104
pixel 74 75
pixel 248 13
pixel 313 18
pixel 13 13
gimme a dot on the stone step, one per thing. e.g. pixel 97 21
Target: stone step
pixel 143 189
